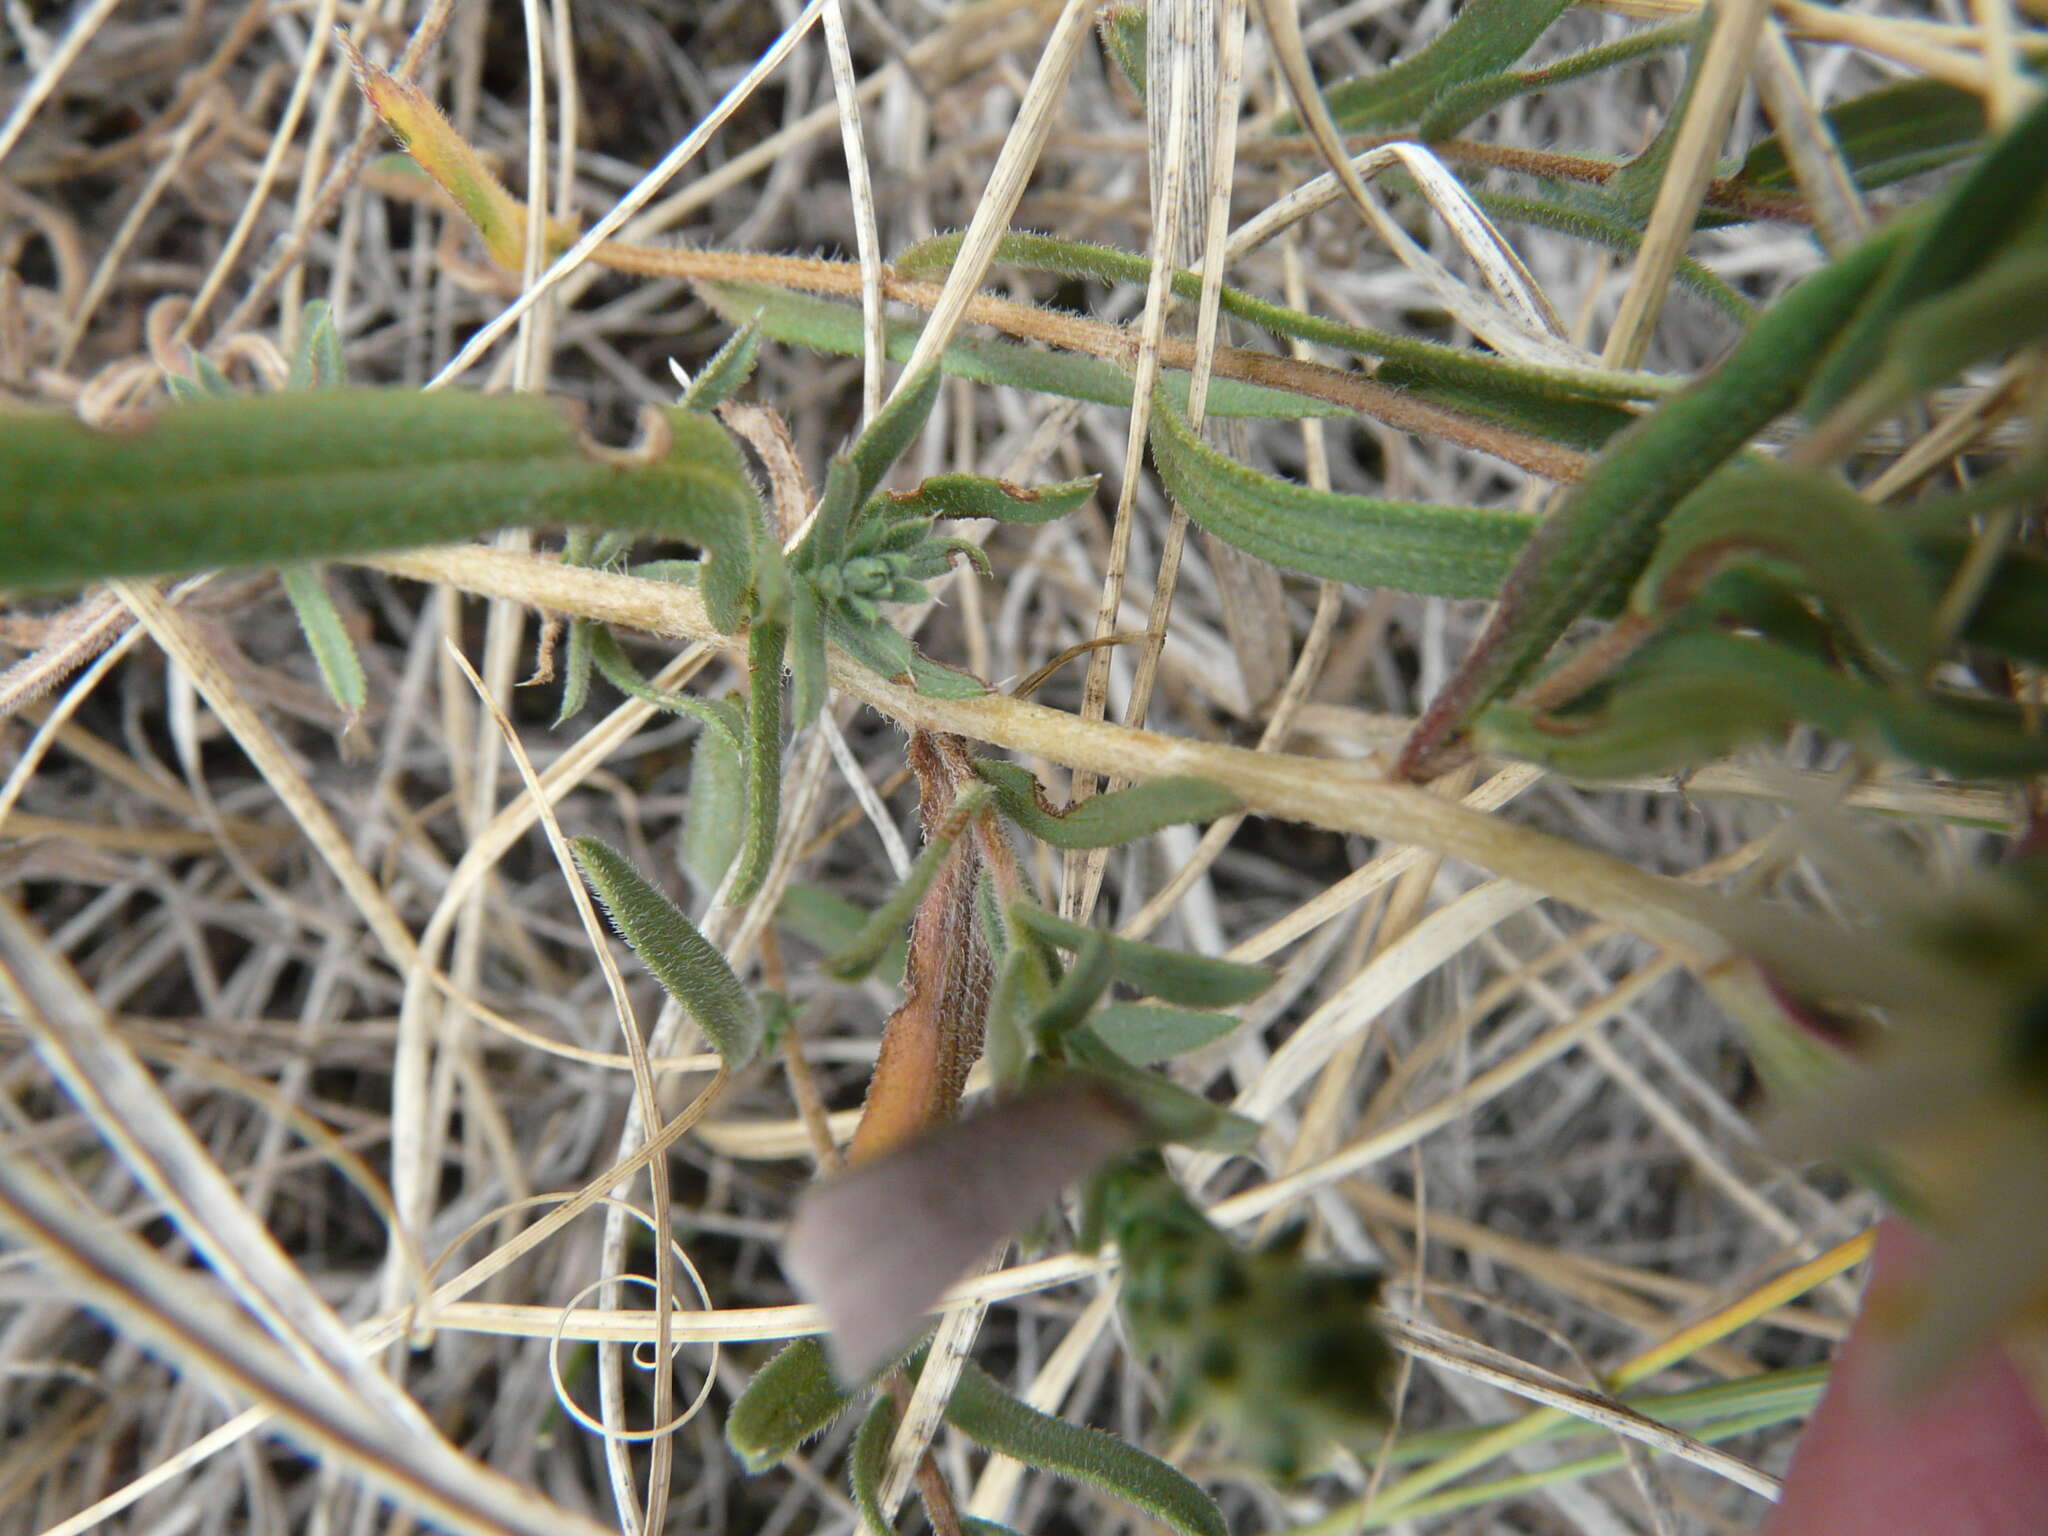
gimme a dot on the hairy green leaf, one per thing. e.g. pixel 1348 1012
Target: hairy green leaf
pixel 1169 1112
pixel 1079 990
pixel 2000 201
pixel 1486 36
pixel 1105 821
pixel 765 644
pixel 689 969
pixel 727 372
pixel 983 496
pixel 317 361
pixel 1695 697
pixel 1428 359
pixel 987 1414
pixel 1143 1033
pixel 825 325
pixel 266 480
pixel 1455 107
pixel 1813 534
pixel 1898 130
pixel 333 651
pixel 2000 309
pixel 790 1399
pixel 611 660
pixel 1445 551
pixel 716 813
pixel 1165 973
pixel 865 1466
pixel 1122 28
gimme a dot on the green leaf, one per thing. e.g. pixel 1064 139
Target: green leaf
pixel 790 1399
pixel 865 1466
pixel 1457 106
pixel 317 363
pixel 1694 697
pixel 984 496
pixel 716 814
pixel 2001 309
pixel 611 660
pixel 1143 1033
pixel 984 1412
pixel 576 666
pixel 1122 29
pixel 829 923
pixel 1170 1113
pixel 1076 992
pixel 765 643
pixel 885 927
pixel 1811 533
pixel 1105 821
pixel 689 969
pixel 1895 131
pixel 827 326
pixel 270 479
pixel 727 372
pixel 340 668
pixel 1607 526
pixel 1486 36
pixel 854 473
pixel 1429 359
pixel 808 679
pixel 1997 203
pixel 1164 973
pixel 1444 551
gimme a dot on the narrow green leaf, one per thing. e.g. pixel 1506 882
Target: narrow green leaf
pixel 1170 1113
pixel 689 969
pixel 765 644
pixel 1430 359
pixel 1996 203
pixel 1122 29
pixel 790 1399
pixel 340 668
pixel 1443 551
pixel 1607 525
pixel 1077 991
pixel 269 479
pixel 1105 821
pixel 575 670
pixel 715 816
pixel 1695 697
pixel 1810 532
pixel 1454 108
pixel 886 926
pixel 855 472
pixel 1023 983
pixel 611 660
pixel 983 1411
pixel 828 922
pixel 865 1466
pixel 1486 36
pixel 1165 973
pixel 1143 1033
pixel 317 361
pixel 808 681
pixel 983 496
pixel 1898 130
pixel 727 372
pixel 825 325
pixel 2002 308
